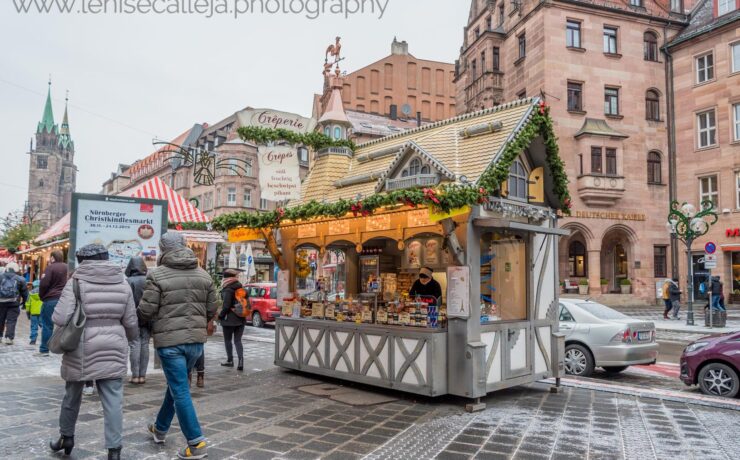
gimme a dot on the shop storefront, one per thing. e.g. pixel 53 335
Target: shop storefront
pixel 349 282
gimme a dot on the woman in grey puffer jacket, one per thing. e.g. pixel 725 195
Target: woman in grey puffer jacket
pixel 139 354
pixel 108 302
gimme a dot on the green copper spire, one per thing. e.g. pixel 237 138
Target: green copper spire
pixel 47 122
pixel 65 140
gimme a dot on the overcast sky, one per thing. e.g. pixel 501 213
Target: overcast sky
pixel 135 77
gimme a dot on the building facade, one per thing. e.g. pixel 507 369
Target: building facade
pixel 705 60
pixel 399 86
pixel 52 174
pixel 602 71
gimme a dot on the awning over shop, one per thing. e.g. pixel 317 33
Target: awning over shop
pixel 59 228
pixel 198 236
pixel 730 247
pixel 179 209
pixel 43 247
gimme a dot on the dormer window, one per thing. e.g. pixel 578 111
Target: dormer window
pixel 518 181
pixel 327 131
pixel 416 174
pixel 337 132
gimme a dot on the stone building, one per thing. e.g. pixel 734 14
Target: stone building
pixel 601 69
pixel 705 65
pixel 52 175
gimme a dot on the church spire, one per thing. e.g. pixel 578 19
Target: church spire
pixel 47 121
pixel 65 140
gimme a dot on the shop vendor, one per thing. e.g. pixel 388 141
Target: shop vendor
pixel 426 286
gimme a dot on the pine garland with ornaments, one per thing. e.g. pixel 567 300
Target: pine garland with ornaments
pixel 315 140
pixel 443 198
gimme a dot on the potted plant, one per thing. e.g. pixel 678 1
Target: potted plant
pixel 583 287
pixel 562 287
pixel 604 286
pixel 626 286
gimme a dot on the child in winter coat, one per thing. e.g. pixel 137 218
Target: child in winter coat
pixel 33 310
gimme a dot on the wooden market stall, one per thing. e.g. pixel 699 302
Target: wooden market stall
pixel 476 200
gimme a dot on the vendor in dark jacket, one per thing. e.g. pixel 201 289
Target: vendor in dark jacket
pixel 232 324
pixel 50 290
pixel 426 286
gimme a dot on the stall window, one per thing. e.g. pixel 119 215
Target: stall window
pixel 306 270
pixel 334 273
pixel 504 276
pixel 518 187
pixel 577 260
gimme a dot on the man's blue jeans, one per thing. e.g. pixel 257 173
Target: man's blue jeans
pixel 47 325
pixel 176 362
pixel 34 327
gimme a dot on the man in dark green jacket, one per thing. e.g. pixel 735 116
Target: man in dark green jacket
pixel 179 299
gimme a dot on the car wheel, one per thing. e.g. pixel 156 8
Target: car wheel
pixel 614 369
pixel 578 361
pixel 718 379
pixel 257 320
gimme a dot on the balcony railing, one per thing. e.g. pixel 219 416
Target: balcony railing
pixel 600 190
pixel 489 81
pixel 422 180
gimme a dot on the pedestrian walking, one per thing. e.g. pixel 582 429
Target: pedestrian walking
pixel 232 324
pixel 13 294
pixel 675 296
pixel 52 284
pixel 139 347
pixel 108 303
pixel 180 300
pixel 667 298
pixel 716 290
pixel 33 311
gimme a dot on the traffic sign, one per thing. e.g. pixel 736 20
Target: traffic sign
pixel 710 261
pixel 710 248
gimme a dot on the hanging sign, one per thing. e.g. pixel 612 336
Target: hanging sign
pixel 338 227
pixel 377 223
pixel 279 173
pixel 237 235
pixel 274 119
pixel 458 292
pixel 418 218
pixel 710 261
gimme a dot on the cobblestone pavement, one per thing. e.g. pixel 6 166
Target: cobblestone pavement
pixel 262 414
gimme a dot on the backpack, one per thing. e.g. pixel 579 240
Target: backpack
pixel 241 303
pixel 666 290
pixel 9 286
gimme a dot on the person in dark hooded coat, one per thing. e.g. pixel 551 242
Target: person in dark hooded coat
pixel 233 325
pixel 139 347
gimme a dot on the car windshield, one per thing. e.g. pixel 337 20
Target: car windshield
pixel 601 311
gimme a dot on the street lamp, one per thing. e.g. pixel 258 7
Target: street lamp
pixel 686 224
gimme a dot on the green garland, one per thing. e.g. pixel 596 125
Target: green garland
pixel 443 199
pixel 202 226
pixel 315 140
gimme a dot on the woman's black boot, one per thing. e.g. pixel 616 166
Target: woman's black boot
pixel 240 365
pixel 114 454
pixel 64 442
pixel 228 363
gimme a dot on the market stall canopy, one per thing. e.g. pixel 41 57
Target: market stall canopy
pixel 179 210
pixel 199 236
pixel 455 151
pixel 61 227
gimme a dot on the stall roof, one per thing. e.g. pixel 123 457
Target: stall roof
pixel 60 227
pixel 199 236
pixel 43 246
pixel 336 176
pixel 179 209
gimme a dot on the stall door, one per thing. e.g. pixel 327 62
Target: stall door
pixel 518 350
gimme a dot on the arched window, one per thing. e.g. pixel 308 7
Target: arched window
pixel 405 173
pixel 652 105
pixel 425 169
pixel 337 132
pixel 651 46
pixel 654 164
pixel 327 131
pixel 577 260
pixel 518 187
pixel 414 167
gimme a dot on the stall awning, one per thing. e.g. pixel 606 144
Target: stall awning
pixel 178 210
pixel 198 236
pixel 59 228
pixel 730 247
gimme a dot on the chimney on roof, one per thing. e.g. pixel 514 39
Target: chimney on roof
pixel 401 48
pixel 394 112
pixel 418 119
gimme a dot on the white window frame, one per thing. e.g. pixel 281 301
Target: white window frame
pixel 735 57
pixel 519 177
pixel 706 195
pixel 263 204
pixel 233 167
pixel 573 35
pixel 247 198
pixel 231 196
pixel 728 5
pixel 704 69
pixel 736 122
pixel 710 130
pixel 608 40
pixel 737 189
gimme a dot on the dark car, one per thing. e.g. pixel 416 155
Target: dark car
pixel 713 363
pixel 263 302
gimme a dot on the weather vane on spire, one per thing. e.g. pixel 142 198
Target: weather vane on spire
pixel 334 51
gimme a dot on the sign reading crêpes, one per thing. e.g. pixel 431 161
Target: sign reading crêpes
pixel 238 235
pixel 273 119
pixel 280 178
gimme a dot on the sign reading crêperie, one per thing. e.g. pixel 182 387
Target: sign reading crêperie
pixel 280 178
pixel 274 119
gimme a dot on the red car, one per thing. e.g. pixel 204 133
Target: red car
pixel 263 301
pixel 713 363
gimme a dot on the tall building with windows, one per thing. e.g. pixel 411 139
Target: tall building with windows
pixel 52 175
pixel 705 65
pixel 602 70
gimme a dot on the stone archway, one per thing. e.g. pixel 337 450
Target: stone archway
pixel 617 256
pixel 574 261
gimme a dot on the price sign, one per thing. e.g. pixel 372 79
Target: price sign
pixel 710 248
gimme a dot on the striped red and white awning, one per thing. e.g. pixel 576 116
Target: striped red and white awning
pixel 179 209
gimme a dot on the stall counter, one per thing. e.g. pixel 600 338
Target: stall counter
pixel 402 358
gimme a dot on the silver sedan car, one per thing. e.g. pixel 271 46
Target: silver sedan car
pixel 597 336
